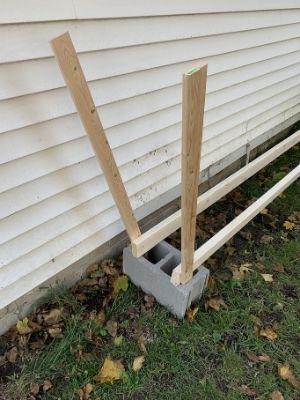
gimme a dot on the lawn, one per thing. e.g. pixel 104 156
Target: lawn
pixel 241 341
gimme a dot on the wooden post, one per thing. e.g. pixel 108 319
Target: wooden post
pixel 194 86
pixel 72 72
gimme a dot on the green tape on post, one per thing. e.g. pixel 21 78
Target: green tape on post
pixel 191 71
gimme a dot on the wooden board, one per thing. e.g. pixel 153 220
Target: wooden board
pixel 217 241
pixel 75 80
pixel 169 225
pixel 193 100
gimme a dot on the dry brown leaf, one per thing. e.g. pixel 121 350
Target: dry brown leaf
pixel 55 332
pixel 215 303
pixel 238 273
pixel 84 393
pixel 248 391
pixel 191 313
pixel 53 316
pixel 286 374
pixel 34 388
pixel 138 363
pixel 279 267
pixel 230 250
pixel 88 282
pixel 276 395
pixel 266 239
pixel 269 333
pixel 112 328
pixel 264 358
pixel 141 343
pixel 100 317
pixel 12 355
pixel 256 359
pixel 47 385
pixel 111 370
pixel 267 277
pixel 149 301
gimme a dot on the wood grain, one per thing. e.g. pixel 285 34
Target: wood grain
pixel 71 69
pixel 219 239
pixel 193 100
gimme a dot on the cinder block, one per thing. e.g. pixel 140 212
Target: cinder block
pixel 152 274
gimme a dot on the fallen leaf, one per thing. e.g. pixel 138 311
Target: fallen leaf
pixel 269 333
pixel 286 374
pixel 12 355
pixel 215 303
pixel 120 283
pixel 47 385
pixel 108 266
pixel 248 391
pixel 22 327
pixel 279 267
pixel 276 395
pixel 53 316
pixel 238 273
pixel 84 393
pixel 111 370
pixel 264 211
pixel 191 313
pixel 112 328
pixel 88 282
pixel 55 332
pixel 149 301
pixel 229 250
pixel 100 317
pixel 266 239
pixel 267 277
pixel 138 363
pixel 256 359
pixel 118 341
pixel 264 358
pixel 141 343
pixel 289 226
pixel 34 388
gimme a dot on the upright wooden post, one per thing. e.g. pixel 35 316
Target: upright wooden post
pixel 193 100
pixel 71 69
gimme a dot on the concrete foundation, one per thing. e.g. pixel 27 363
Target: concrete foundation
pixel 152 273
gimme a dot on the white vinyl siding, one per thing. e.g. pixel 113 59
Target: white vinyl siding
pixel 55 206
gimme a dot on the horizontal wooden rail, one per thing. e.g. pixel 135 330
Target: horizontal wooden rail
pixel 220 238
pixel 169 225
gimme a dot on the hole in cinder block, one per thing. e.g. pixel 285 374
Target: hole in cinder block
pixel 171 263
pixel 156 254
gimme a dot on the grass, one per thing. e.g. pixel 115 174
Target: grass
pixel 200 359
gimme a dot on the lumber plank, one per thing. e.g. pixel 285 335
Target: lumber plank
pixel 170 224
pixel 193 100
pixel 72 72
pixel 213 244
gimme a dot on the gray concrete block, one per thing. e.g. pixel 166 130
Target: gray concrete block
pixel 152 274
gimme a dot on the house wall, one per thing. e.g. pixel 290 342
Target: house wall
pixel 55 207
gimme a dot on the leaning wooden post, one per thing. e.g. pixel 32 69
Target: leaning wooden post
pixel 193 99
pixel 72 72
